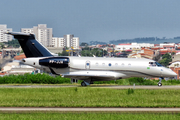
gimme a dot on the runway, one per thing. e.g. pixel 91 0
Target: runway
pixel 43 109
pixel 95 86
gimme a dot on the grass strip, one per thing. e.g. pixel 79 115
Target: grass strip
pixel 47 79
pixel 89 116
pixel 88 97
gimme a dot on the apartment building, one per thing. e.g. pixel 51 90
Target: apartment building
pixel 42 33
pixel 68 40
pixel 5 37
pixel 58 42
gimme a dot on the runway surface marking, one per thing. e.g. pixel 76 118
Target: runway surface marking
pixel 94 86
pixel 18 109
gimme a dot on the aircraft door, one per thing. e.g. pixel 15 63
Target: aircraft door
pixel 87 66
pixel 161 72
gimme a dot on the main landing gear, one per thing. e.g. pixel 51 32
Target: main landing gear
pixel 83 83
pixel 159 83
pixel 86 83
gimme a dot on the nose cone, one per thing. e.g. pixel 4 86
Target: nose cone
pixel 173 74
pixel 168 73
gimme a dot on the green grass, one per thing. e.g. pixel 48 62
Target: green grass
pixel 33 79
pixel 47 79
pixel 88 97
pixel 89 116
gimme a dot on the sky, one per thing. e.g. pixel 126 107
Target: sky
pixel 95 20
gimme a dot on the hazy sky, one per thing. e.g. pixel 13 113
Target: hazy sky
pixel 100 20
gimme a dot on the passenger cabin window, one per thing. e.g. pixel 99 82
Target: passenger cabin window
pixel 103 64
pixel 87 64
pixel 96 64
pixel 109 64
pixel 116 64
pixel 122 64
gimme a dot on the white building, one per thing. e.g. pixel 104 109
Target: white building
pixel 42 33
pixel 126 47
pixel 58 42
pixel 5 37
pixel 68 41
pixel 166 44
pixel 75 43
pixel 143 44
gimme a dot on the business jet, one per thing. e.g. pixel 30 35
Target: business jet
pixel 88 69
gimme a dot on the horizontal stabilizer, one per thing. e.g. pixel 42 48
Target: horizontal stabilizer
pixel 18 33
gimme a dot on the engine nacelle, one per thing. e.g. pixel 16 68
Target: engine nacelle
pixel 55 62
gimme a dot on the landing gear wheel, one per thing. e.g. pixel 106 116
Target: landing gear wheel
pixel 83 84
pixel 159 84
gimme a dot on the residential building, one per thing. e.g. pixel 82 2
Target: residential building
pixel 58 42
pixel 5 37
pixel 169 46
pixel 175 66
pixel 164 51
pixel 127 47
pixel 143 44
pixel 67 41
pixel 42 33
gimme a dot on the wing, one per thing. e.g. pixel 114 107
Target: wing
pixel 93 75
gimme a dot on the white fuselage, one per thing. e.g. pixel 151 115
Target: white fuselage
pixel 101 68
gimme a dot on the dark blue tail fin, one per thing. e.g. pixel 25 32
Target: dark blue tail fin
pixel 30 46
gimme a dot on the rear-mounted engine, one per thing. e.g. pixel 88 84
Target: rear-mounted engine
pixel 56 62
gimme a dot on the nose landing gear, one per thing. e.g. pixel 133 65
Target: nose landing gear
pixel 159 83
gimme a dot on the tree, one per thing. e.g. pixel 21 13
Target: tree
pixel 13 43
pixel 2 45
pixel 64 53
pixel 96 51
pixel 83 44
pixel 86 48
pixel 166 58
pixel 86 53
pixel 173 53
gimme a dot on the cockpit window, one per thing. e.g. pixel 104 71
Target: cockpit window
pixel 155 64
pixel 152 64
pixel 158 64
